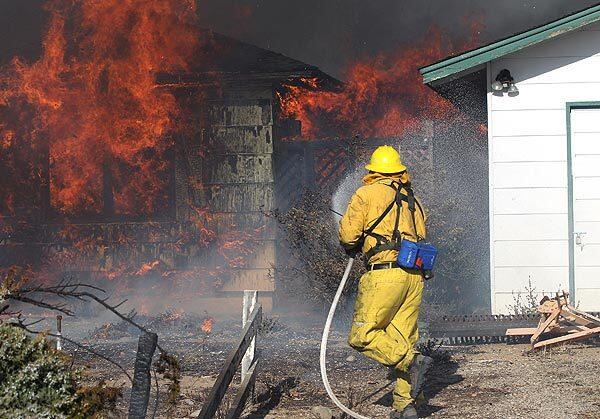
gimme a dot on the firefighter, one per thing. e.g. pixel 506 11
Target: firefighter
pixel 380 215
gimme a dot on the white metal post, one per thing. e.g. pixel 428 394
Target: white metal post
pixel 59 332
pixel 249 304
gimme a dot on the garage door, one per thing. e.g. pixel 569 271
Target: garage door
pixel 585 245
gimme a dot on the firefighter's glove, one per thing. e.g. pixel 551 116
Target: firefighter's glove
pixel 352 252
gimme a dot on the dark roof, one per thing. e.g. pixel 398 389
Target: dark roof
pixel 475 58
pixel 228 58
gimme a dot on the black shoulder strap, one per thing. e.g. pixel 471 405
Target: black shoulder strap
pixel 396 233
pixel 382 242
pixel 378 221
pixel 414 203
pixel 411 206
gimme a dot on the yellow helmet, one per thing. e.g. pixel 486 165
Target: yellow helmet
pixel 385 159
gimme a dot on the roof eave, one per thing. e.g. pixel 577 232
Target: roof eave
pixel 471 59
pixel 210 78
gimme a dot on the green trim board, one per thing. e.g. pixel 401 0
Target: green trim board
pixel 470 59
pixel 571 225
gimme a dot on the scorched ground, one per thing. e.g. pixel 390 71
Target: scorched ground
pixel 490 381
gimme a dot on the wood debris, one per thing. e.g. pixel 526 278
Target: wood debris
pixel 563 322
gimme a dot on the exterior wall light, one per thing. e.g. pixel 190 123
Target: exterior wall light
pixel 497 86
pixel 505 82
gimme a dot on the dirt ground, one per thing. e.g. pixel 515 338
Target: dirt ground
pixel 483 381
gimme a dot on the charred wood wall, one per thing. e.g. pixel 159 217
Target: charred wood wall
pixel 225 167
pixel 230 170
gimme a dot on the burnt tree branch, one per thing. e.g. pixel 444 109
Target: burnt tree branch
pixel 78 291
pixel 27 328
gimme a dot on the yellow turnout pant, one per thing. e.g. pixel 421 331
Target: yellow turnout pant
pixel 384 326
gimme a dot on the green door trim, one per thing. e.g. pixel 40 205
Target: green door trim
pixel 570 107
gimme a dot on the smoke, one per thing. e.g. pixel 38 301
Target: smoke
pixel 333 34
pixel 21 28
pixel 328 34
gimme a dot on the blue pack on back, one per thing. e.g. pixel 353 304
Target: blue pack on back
pixel 419 255
pixel 426 255
pixel 407 255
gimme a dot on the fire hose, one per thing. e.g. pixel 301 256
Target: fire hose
pixel 334 304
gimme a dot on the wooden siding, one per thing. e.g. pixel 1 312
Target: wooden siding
pixel 239 183
pixel 528 162
pixel 228 167
pixel 243 139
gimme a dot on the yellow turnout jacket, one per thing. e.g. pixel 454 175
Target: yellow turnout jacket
pixel 367 204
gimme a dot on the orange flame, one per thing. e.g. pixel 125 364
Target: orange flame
pixel 207 325
pixel 174 315
pixel 92 100
pixel 147 267
pixel 382 97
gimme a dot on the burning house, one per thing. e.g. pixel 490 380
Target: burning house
pixel 142 154
pixel 241 130
pixel 149 172
pixel 538 93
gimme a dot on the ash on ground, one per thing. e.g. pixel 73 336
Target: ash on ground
pixel 491 381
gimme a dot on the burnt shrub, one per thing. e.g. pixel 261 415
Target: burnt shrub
pixel 314 262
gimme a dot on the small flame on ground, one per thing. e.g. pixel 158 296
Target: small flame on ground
pixel 207 325
pixel 174 315
pixel 147 267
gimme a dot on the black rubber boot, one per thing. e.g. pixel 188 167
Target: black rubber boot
pixel 417 371
pixel 409 412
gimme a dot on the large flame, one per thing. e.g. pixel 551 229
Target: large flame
pixel 91 100
pixel 89 108
pixel 382 96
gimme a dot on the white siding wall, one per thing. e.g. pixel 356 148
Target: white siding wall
pixel 528 162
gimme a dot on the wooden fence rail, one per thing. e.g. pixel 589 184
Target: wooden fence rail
pixel 230 367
